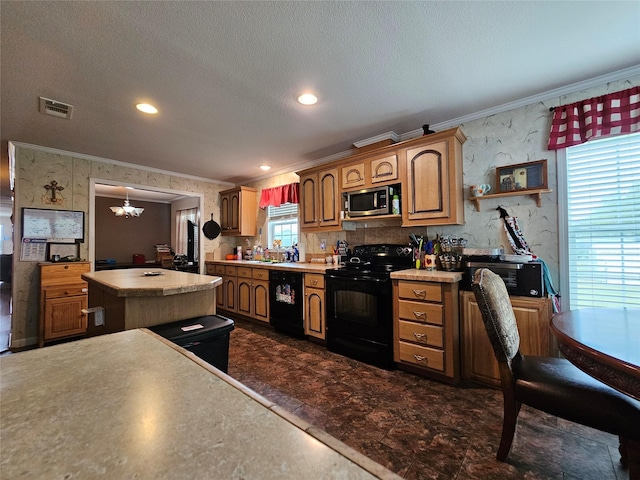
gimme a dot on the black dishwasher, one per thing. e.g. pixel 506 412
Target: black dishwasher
pixel 285 302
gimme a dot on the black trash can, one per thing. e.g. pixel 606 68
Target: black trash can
pixel 207 337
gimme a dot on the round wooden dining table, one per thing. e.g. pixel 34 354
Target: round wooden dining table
pixel 604 343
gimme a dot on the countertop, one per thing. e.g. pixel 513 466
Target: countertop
pixel 133 405
pixel 132 282
pixel 290 266
pixel 409 274
pixel 427 276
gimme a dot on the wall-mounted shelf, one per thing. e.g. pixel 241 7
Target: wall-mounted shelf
pixel 537 194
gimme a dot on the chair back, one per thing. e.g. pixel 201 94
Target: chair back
pixel 497 314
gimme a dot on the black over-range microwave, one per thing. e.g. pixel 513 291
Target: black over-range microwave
pixel 370 201
pixel 523 279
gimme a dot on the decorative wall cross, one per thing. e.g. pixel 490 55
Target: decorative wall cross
pixel 55 197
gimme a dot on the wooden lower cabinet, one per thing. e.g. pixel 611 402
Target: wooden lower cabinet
pixel 314 306
pixel 533 316
pixel 63 297
pixel 425 328
pixel 253 293
pixel 244 290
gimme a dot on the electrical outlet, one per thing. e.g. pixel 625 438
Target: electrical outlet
pixel 98 317
pixel 323 244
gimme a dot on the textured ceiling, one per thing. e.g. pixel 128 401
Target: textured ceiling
pixel 225 74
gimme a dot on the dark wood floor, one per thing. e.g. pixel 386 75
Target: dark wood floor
pixel 417 428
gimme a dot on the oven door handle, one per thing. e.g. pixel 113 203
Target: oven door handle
pixel 358 279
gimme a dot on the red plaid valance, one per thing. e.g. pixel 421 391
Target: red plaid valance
pixel 613 114
pixel 276 196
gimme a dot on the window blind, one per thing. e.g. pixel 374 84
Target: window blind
pixel 603 222
pixel 286 210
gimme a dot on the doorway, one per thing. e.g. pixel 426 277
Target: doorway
pixel 174 200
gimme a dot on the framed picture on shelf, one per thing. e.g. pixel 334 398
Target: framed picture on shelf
pixel 522 176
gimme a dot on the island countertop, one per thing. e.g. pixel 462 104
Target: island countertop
pixel 133 405
pixel 133 282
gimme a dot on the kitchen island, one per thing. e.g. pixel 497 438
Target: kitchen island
pixel 133 298
pixel 133 405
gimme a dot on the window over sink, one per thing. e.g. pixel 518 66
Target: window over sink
pixel 283 224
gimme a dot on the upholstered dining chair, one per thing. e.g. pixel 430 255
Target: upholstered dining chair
pixel 552 385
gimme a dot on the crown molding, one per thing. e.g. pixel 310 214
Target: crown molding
pixel 93 158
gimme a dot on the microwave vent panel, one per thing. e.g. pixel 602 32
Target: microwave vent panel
pixel 55 108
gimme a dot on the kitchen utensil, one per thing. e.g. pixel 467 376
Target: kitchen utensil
pixel 211 229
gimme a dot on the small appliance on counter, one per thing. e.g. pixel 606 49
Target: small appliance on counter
pixel 521 275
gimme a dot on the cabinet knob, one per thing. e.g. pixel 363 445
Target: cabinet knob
pixel 66 267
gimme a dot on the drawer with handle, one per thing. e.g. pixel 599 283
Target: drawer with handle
pixel 424 291
pixel 420 312
pixel 260 274
pixel 419 333
pixel 313 280
pixel 66 290
pixel 422 356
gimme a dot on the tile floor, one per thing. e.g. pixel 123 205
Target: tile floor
pixel 418 428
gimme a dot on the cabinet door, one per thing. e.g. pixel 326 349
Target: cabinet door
pixel 261 300
pixel 329 204
pixel 308 201
pixel 532 316
pixel 353 176
pixel 225 212
pixel 427 191
pixel 63 317
pixel 244 296
pixel 314 324
pixel 384 169
pixel 230 294
pixel 234 211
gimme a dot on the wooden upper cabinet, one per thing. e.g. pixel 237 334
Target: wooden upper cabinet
pixel 384 169
pixel 319 200
pixel 238 211
pixel 432 179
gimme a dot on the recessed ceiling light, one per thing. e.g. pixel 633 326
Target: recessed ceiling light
pixel 265 167
pixel 146 108
pixel 308 99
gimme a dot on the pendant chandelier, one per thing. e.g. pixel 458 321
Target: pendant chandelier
pixel 127 210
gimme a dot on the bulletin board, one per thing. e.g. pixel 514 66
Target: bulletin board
pixel 53 225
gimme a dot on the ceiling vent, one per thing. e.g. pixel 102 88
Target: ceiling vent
pixel 55 108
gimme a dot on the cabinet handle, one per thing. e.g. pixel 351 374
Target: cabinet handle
pixel 420 337
pixel 66 267
pixel 420 315
pixel 420 293
pixel 314 282
pixel 420 358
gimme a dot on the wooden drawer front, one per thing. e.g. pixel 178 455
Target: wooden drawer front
pixel 421 312
pixel 260 274
pixel 244 272
pixel 313 280
pixel 230 271
pixel 426 291
pixel 66 290
pixel 422 356
pixel 56 274
pixel 423 334
pixel 384 169
pixel 219 269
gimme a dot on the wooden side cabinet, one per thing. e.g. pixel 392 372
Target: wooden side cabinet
pixel 314 306
pixel 479 363
pixel 426 328
pixel 238 209
pixel 63 296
